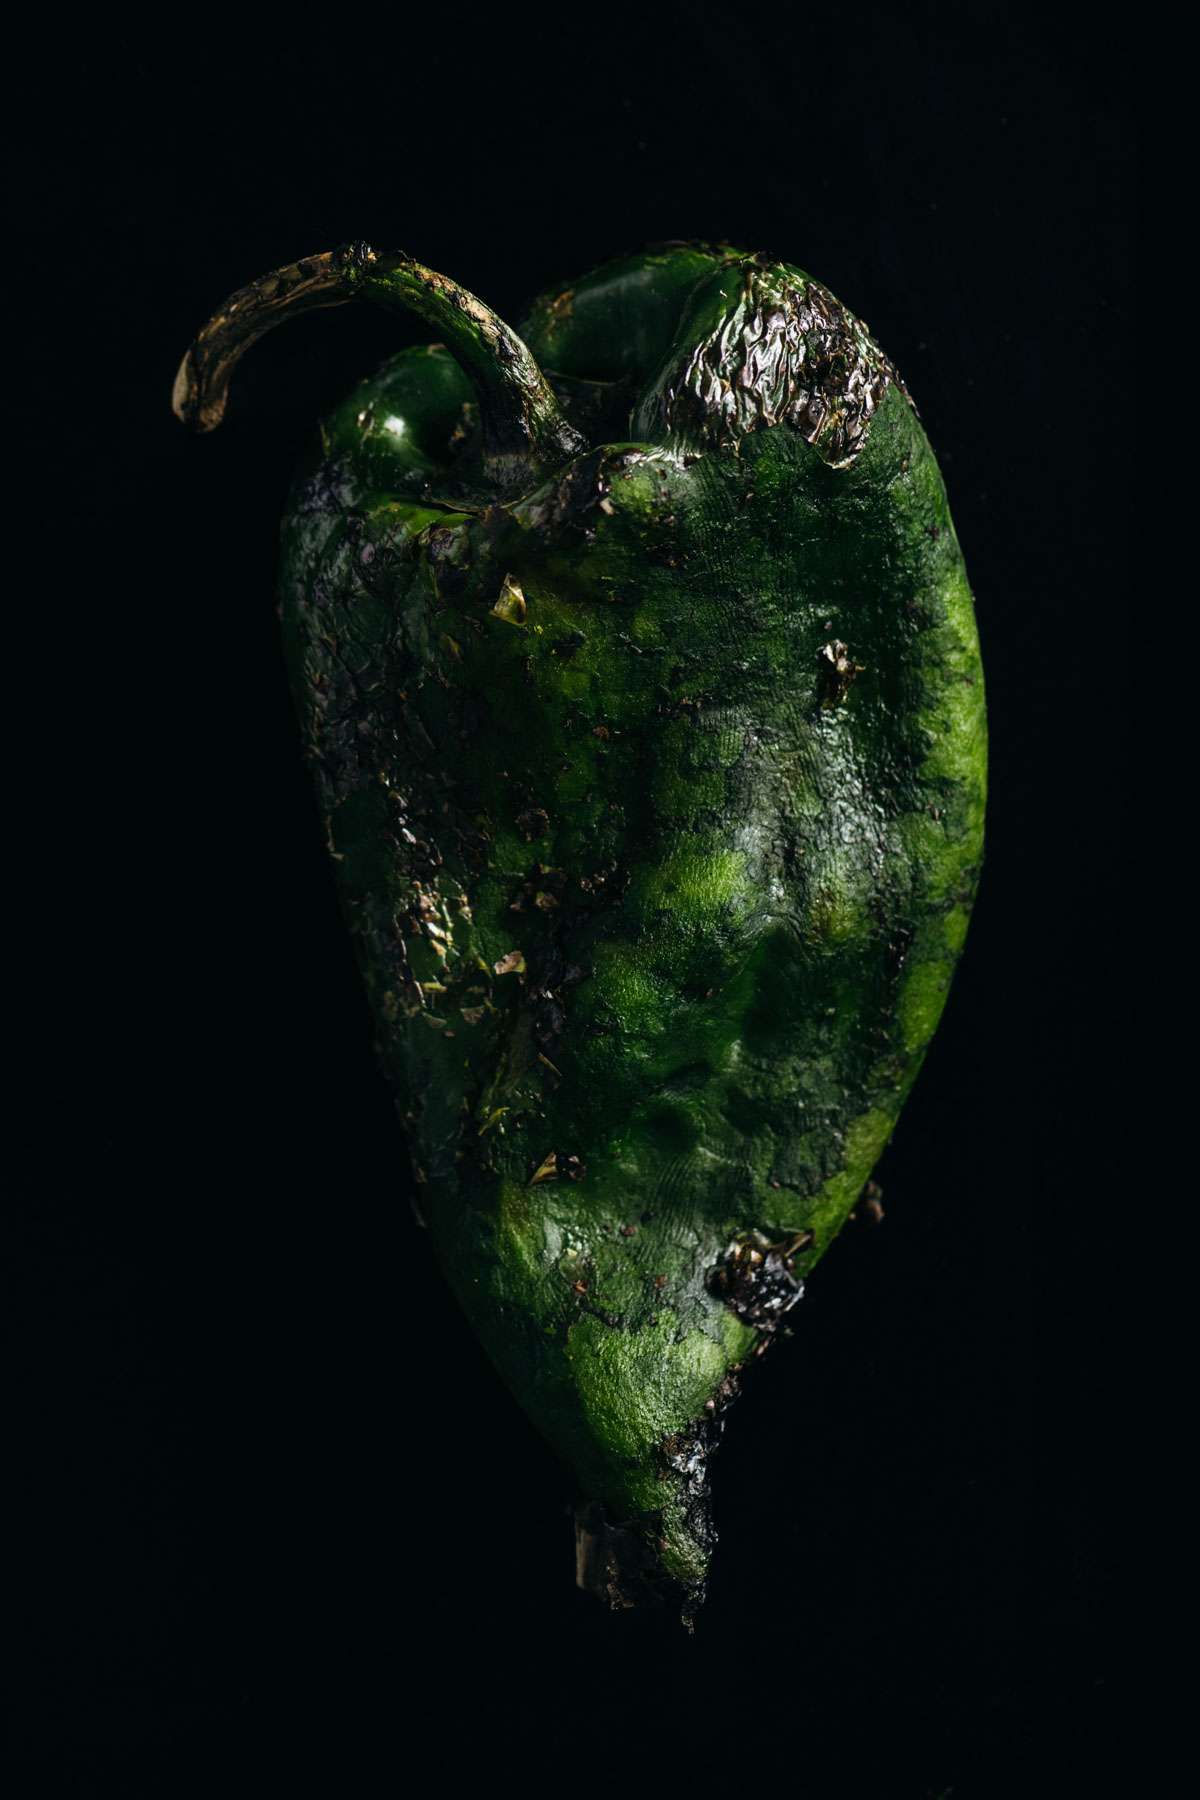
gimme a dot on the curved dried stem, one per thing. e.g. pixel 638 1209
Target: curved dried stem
pixel 524 429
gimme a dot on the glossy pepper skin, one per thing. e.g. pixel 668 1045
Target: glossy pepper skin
pixel 644 702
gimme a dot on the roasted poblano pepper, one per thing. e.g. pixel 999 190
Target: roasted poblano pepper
pixel 636 663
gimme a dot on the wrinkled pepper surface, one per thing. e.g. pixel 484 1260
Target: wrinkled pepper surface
pixel 636 664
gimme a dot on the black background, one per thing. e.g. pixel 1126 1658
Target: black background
pixel 277 1510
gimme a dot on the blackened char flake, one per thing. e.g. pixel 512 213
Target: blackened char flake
pixel 621 1562
pixel 618 1561
pixel 755 1278
pixel 687 1453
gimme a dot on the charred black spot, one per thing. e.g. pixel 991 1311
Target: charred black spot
pixel 786 352
pixel 756 1280
pixel 686 1453
pixel 618 1562
pixel 838 671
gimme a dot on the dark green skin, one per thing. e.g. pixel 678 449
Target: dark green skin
pixel 589 718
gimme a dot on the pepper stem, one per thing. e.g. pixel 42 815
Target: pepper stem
pixel 524 429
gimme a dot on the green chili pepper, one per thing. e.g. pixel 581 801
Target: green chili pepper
pixel 644 702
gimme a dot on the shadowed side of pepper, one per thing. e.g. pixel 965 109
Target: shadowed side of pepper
pixel 644 705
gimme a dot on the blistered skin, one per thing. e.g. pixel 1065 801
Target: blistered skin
pixel 656 797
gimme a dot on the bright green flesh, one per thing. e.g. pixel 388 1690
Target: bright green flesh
pixel 738 899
